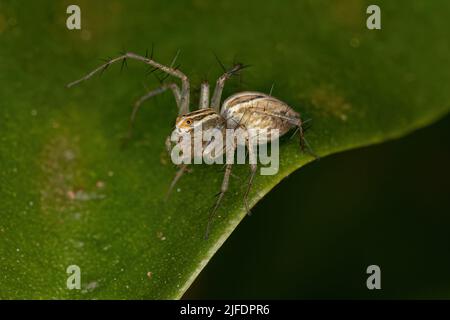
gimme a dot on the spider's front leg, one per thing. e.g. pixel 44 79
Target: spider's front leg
pixel 182 168
pixel 204 95
pixel 148 95
pixel 223 190
pixel 185 87
pixel 220 83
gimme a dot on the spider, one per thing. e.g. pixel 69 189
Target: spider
pixel 248 109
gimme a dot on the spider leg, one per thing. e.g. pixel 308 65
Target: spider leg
pixel 304 145
pixel 220 83
pixel 296 122
pixel 185 87
pixel 148 95
pixel 301 135
pixel 223 190
pixel 204 95
pixel 168 144
pixel 182 169
pixel 253 168
pixel 271 88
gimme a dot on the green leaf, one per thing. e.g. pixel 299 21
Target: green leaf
pixel 70 195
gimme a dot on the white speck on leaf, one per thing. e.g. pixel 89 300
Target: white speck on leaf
pixel 91 286
pixel 69 155
pixel 160 236
pixel 81 195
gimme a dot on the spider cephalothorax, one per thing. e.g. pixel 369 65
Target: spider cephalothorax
pixel 245 110
pixel 205 118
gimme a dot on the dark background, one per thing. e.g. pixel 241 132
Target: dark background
pixel 316 233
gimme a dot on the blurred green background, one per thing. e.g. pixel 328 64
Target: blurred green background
pixel 306 240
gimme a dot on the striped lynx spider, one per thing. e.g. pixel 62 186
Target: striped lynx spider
pixel 248 110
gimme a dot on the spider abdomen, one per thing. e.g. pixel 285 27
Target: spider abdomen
pixel 259 111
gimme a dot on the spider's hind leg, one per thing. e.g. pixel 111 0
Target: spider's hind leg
pixel 294 122
pixel 304 145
